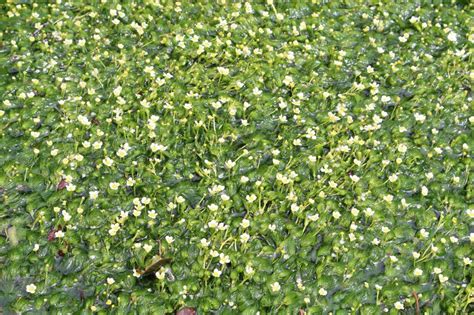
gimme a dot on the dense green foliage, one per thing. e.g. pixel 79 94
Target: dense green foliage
pixel 277 157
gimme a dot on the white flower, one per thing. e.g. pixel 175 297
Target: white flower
pixel 354 212
pixel 224 259
pixel 424 191
pixel 244 238
pixel 160 275
pixel 213 207
pixel 288 81
pixel 452 37
pixel 322 292
pixel 251 198
pixel 31 288
pixel 385 99
pixel 216 273
pixel 402 148
pixel 169 239
pixel 108 161
pixel 121 152
pixel 114 185
pixel 130 182
pixel 392 178
pixel 256 91
pixel 424 233
pixel 114 228
pixel 417 272
pixel 354 178
pixel 294 207
pixel 204 242
pixel 245 223
pixel 222 70
pixel 93 194
pixel 59 234
pixel 36 247
pixel 117 91
pixel 399 305
pixel 388 198
pixel 369 212
pixel 275 286
pixel 467 261
pixel 229 164
pixel 147 247
pixel 249 270
pixel 66 216
pixel 110 281
pixel 420 117
pixel 213 224
pixel 83 120
pixel 157 147
pixel 442 279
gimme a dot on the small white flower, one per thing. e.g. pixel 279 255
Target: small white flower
pixel 424 233
pixel 110 281
pixel 424 191
pixel 452 37
pixel 216 273
pixel 251 198
pixel 222 70
pixel 169 239
pixel 147 247
pixel 399 305
pixel 245 223
pixel 275 286
pixel 442 279
pixel 160 275
pixel 354 178
pixel 229 164
pixel 117 91
pixel 392 178
pixel 157 147
pixel 31 288
pixel 288 81
pixel 249 270
pixel 402 148
pixel 213 224
pixel 385 99
pixel 256 91
pixel 93 194
pixel 322 292
pixel 213 207
pixel 66 216
pixel 136 274
pixel 244 238
pixel 417 272
pixel 114 185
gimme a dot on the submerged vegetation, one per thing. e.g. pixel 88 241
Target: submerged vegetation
pixel 234 158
